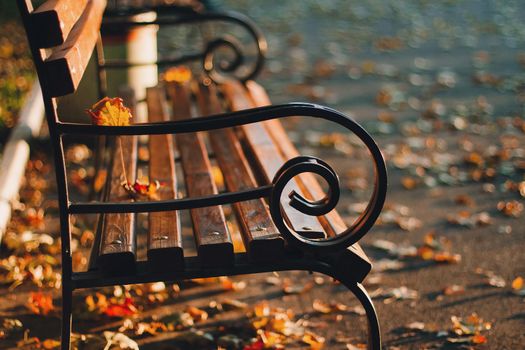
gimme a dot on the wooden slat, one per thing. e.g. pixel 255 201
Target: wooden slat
pixel 269 160
pixel 118 243
pixel 164 236
pixel 214 244
pixel 260 236
pixel 332 222
pixel 66 65
pixel 53 20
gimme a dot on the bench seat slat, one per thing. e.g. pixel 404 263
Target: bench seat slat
pixel 260 236
pixel 332 222
pixel 164 236
pixel 118 243
pixel 66 65
pixel 118 240
pixel 214 244
pixel 54 19
pixel 268 157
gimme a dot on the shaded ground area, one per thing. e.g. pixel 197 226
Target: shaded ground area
pixel 441 87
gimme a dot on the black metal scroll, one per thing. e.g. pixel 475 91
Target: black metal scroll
pixel 236 67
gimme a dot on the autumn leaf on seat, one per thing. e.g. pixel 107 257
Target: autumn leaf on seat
pixel 139 188
pixel 178 74
pixel 110 112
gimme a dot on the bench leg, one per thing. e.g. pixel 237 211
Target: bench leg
pixel 67 305
pixel 374 332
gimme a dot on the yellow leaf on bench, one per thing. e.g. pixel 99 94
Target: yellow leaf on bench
pixel 110 112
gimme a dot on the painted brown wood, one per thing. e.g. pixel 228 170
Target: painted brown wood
pixel 269 159
pixel 66 65
pixel 53 20
pixel 332 222
pixel 164 235
pixel 118 243
pixel 260 236
pixel 214 244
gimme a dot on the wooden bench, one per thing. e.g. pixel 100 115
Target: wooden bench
pixel 285 219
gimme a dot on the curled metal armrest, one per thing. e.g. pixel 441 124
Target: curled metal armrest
pixel 286 173
pixel 234 65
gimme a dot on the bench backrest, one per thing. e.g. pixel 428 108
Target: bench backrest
pixel 62 35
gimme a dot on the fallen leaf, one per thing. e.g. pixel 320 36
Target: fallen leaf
pixel 40 303
pixel 50 344
pixel 316 342
pixel 510 208
pixel 290 288
pixel 178 74
pixel 517 283
pixel 229 284
pixel 479 339
pixel 400 293
pixel 120 340
pixel 518 287
pixel 110 112
pixel 496 281
pixel 197 314
pixel 322 307
pixel 454 290
pixel 472 325
pixel 126 308
pixel 415 326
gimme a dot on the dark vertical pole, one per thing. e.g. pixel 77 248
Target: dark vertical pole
pixel 101 141
pixel 101 70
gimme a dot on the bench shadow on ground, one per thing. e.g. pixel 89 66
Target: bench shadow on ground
pixel 231 320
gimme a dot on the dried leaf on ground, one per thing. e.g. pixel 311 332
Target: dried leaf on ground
pixel 327 308
pixel 120 340
pixel 453 289
pixel 470 220
pixel 40 303
pixel 290 288
pixel 316 342
pixel 510 208
pixel 123 309
pixel 518 286
pixel 471 325
pixel 393 294
pixel 469 330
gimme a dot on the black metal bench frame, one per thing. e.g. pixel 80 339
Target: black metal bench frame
pixel 317 254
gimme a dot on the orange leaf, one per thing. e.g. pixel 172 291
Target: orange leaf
pixel 50 344
pixel 321 306
pixel 316 342
pixel 143 188
pixel 517 283
pixel 197 314
pixel 40 303
pixel 479 339
pixel 110 112
pixel 121 310
pixel 178 74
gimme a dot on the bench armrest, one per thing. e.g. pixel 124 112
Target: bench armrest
pixel 212 43
pixel 286 173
